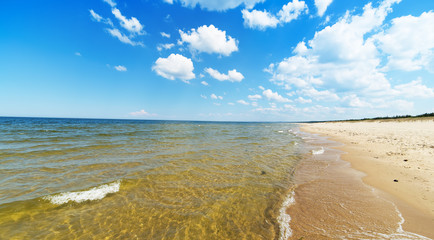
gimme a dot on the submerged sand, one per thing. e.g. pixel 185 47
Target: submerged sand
pixel 397 157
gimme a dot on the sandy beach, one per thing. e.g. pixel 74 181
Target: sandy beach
pixel 397 157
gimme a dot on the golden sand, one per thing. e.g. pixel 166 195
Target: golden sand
pixel 397 157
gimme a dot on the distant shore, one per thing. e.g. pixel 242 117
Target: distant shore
pixel 397 156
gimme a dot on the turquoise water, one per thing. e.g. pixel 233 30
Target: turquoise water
pixel 78 178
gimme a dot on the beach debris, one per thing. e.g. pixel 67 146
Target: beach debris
pixel 405 160
pixel 395 180
pixel 263 172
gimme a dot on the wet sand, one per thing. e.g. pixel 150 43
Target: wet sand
pixel 397 159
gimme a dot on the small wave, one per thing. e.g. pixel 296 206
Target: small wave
pixel 92 194
pixel 318 152
pixel 284 218
pixel 280 131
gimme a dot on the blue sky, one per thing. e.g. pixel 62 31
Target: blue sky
pixel 236 60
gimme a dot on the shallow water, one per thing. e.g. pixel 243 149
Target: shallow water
pixel 75 178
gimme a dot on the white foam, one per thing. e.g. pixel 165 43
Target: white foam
pixel 92 194
pixel 317 152
pixel 280 131
pixel 284 218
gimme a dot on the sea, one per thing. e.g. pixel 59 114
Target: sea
pixel 143 179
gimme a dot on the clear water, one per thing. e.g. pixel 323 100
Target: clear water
pixel 77 178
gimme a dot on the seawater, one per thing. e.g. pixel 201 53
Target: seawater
pixel 127 179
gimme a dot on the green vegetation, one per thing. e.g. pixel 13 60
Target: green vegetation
pixel 396 117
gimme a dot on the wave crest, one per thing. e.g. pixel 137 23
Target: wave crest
pixel 318 152
pixel 284 218
pixel 92 194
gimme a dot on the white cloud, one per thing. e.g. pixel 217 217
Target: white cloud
pixel 132 25
pixel 263 19
pixel 168 1
pixel 96 17
pixel 261 87
pixel 300 49
pixel 409 42
pixel 302 100
pixel 354 101
pixel 166 46
pixel 77 54
pixel 121 68
pixel 270 95
pixel 173 67
pixel 209 39
pixel 213 96
pixel 122 37
pixel 291 11
pixel 142 113
pixel 232 76
pixel 254 97
pixel 204 83
pixel 259 19
pixel 322 6
pixel 325 95
pixel 414 89
pixel 242 102
pixel 340 56
pixel 166 35
pixel 110 2
pixel 219 5
pixel 203 96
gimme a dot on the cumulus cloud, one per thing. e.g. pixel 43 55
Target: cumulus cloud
pixel 132 25
pixel 217 5
pixel 121 68
pixel 322 6
pixel 122 37
pixel 166 46
pixel 166 35
pixel 174 67
pixel 142 113
pixel 204 83
pixel 414 89
pixel 302 100
pixel 232 76
pixel 339 56
pixel 409 42
pixel 242 102
pixel 270 95
pixel 324 95
pixel 354 101
pixel 209 39
pixel 259 19
pixel 291 11
pixel 213 96
pixel 254 97
pixel 263 19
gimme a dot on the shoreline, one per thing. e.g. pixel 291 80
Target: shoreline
pixel 396 157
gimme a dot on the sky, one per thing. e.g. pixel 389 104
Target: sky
pixel 216 60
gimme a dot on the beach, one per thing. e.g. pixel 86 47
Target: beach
pixel 396 157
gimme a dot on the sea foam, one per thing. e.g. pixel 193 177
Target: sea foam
pixel 92 194
pixel 318 152
pixel 284 218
